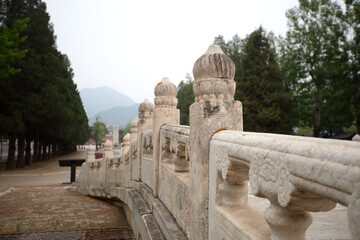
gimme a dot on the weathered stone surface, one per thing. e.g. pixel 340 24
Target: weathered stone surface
pixel 201 173
pixel 356 138
pixel 213 110
pixel 165 112
pixel 116 136
pixel 165 94
pixel 166 222
pixel 145 124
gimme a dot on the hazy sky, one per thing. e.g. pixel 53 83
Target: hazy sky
pixel 131 45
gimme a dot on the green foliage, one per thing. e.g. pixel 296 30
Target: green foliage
pixel 126 129
pixel 185 98
pixel 98 131
pixel 259 86
pixel 41 101
pixel 9 43
pixel 314 64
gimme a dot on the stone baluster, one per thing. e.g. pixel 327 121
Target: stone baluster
pixel 107 153
pixel 214 109
pixel 180 161
pixel 165 112
pixel 90 156
pixel 145 123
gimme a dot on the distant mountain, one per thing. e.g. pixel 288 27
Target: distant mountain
pixel 96 100
pixel 119 115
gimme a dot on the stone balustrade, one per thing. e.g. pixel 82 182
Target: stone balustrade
pixel 192 182
pixel 147 163
pixel 175 139
pixel 297 175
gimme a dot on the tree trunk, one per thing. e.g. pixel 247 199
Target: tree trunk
pixel 53 151
pixel 10 164
pixel 49 151
pixel 36 148
pixel 39 149
pixel 317 112
pixel 44 153
pixel 21 148
pixel 28 150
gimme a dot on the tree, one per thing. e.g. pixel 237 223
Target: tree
pixel 41 103
pixel 352 49
pixel 98 131
pixel 9 43
pixel 313 58
pixel 267 106
pixel 185 98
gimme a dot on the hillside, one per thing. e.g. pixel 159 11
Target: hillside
pixel 96 100
pixel 118 115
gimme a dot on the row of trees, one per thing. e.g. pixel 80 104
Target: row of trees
pixel 39 100
pixel 307 80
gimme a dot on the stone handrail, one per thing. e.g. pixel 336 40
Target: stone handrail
pixel 147 163
pixel 176 138
pixel 296 174
pixel 114 160
pixel 191 182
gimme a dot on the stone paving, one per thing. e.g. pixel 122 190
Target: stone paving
pixel 31 209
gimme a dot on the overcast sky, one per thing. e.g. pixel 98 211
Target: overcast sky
pixel 131 45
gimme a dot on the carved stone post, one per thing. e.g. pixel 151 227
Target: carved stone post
pixel 165 112
pixel 133 130
pixel 107 153
pixel 133 138
pixel 90 156
pixel 214 109
pixel 126 142
pixel 146 109
pixel 125 166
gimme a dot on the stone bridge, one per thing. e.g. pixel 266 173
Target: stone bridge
pixel 193 182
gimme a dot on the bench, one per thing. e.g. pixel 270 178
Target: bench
pixel 73 163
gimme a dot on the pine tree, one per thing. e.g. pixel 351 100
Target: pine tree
pixel 185 98
pixel 267 106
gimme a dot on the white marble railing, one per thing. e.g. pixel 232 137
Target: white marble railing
pixel 176 139
pixel 296 174
pixel 179 182
pixel 147 163
pixel 174 175
pixel 114 169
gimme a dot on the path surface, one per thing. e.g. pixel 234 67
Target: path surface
pixel 42 173
pixel 35 204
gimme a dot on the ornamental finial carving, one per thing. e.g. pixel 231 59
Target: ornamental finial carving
pixel 146 109
pixel 214 74
pixel 165 94
pixel 133 125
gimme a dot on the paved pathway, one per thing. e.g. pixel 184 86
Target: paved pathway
pixel 34 204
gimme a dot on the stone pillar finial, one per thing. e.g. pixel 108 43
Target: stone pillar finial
pixel 214 109
pixel 126 141
pixel 133 129
pixel 165 94
pixel 90 153
pixel 90 156
pixel 107 153
pixel 214 74
pixel 165 112
pixel 146 109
